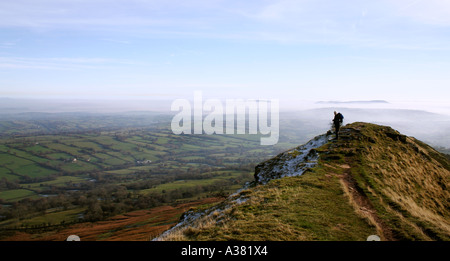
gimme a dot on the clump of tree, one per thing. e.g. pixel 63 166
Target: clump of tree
pixel 108 200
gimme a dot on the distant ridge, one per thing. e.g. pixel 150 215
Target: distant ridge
pixel 351 102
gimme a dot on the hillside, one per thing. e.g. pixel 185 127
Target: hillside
pixel 373 181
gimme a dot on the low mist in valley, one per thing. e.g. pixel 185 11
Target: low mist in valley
pixel 299 121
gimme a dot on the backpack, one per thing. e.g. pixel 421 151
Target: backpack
pixel 339 117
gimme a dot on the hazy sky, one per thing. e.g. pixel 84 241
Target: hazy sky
pixel 285 49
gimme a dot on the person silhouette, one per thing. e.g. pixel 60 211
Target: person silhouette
pixel 337 121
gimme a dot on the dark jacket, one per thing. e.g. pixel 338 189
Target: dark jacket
pixel 338 119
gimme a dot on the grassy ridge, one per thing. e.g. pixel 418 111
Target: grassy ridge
pixel 406 181
pixel 289 209
pixel 373 181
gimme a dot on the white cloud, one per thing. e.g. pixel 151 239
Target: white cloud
pixel 433 12
pixel 412 24
pixel 59 63
pixel 99 14
pixel 276 10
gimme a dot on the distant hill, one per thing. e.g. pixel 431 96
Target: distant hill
pixel 373 181
pixel 351 102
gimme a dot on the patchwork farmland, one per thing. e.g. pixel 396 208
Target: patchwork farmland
pixel 52 180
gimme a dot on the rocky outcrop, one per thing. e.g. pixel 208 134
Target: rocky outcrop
pixel 290 163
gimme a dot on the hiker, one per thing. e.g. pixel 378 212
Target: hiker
pixel 337 121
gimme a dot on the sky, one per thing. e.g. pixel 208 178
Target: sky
pixel 321 50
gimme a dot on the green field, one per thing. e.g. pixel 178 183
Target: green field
pixel 15 194
pixel 145 166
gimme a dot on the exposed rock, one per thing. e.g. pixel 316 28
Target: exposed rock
pixel 293 162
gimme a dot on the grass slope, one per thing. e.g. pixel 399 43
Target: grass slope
pixel 372 181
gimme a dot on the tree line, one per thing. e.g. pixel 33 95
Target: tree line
pixel 101 199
